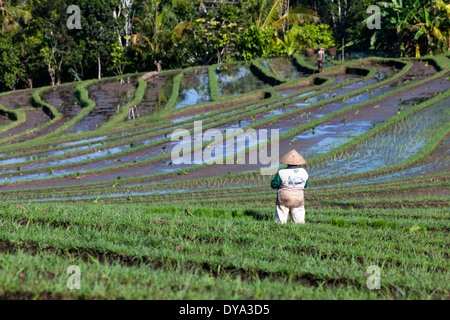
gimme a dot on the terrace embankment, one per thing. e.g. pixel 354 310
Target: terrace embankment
pixel 157 94
pixel 109 96
pixel 4 120
pixel 35 118
pixel 378 159
pixel 20 100
pixel 322 137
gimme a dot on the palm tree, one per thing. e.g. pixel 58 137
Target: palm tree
pixel 290 42
pixel 153 33
pixel 277 13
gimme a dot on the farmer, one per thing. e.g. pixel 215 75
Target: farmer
pixel 290 183
pixel 320 58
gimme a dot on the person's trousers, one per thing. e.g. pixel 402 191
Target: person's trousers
pixel 290 203
pixel 297 214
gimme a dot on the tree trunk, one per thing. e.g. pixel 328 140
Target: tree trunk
pixel 99 67
pixel 158 66
pixel 29 78
pixel 51 72
pixel 124 10
pixel 333 18
pixel 344 23
pixel 58 69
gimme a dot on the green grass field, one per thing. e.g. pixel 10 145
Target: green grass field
pixel 159 252
pixel 111 202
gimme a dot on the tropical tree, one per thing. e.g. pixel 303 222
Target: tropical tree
pixel 432 27
pixel 10 68
pixel 290 42
pixel 124 9
pixel 255 43
pixel 413 27
pixel 11 16
pixel 279 14
pixel 15 22
pixel 153 31
pixel 212 34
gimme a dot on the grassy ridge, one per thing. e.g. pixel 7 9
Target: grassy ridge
pixel 265 74
pixel 226 244
pixel 47 108
pixel 84 100
pixel 213 85
pixel 17 116
pixel 147 246
pixel 121 116
pixel 214 121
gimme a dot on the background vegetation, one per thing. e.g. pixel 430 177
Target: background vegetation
pixel 118 37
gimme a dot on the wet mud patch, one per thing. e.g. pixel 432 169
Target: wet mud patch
pixel 4 121
pixel 194 88
pixel 109 97
pixel 157 94
pixel 207 108
pixel 236 79
pixel 35 118
pixel 16 100
pixel 283 67
pixel 383 110
pixel 64 100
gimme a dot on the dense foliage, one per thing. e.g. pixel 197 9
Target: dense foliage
pixel 126 36
pixel 313 35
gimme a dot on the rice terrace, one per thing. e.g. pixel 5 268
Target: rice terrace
pixel 88 179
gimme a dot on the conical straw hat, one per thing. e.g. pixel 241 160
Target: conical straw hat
pixel 292 158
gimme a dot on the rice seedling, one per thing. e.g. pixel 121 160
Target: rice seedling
pixel 362 223
pixel 339 222
pixel 378 224
pixel 142 220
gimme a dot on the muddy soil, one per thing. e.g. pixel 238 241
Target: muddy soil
pixel 194 88
pixel 341 78
pixel 21 99
pixel 109 96
pixel 34 119
pixel 4 121
pixel 157 94
pixel 64 100
pixel 214 170
pixel 238 79
pixel 16 100
pixel 389 107
pixel 245 101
